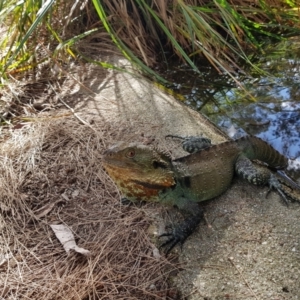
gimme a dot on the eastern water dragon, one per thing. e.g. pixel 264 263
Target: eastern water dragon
pixel 144 173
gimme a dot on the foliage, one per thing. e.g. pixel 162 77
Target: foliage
pixel 221 31
pixel 36 31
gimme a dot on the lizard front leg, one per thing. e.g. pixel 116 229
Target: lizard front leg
pixel 192 144
pixel 193 215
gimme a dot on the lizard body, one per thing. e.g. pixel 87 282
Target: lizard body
pixel 144 173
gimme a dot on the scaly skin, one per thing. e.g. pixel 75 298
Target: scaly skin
pixel 144 173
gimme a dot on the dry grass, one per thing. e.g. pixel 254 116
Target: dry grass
pixel 42 163
pixel 219 31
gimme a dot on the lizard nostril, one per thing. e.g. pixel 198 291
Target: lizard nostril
pixel 158 164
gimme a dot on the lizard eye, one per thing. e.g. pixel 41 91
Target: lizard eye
pixel 130 153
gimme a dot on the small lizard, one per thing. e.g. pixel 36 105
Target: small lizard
pixel 144 173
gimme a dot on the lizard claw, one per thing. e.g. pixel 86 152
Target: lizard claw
pixel 181 232
pixel 176 237
pixel 175 136
pixel 285 200
pixel 275 184
pixel 170 243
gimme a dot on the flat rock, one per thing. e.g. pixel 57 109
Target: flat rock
pixel 249 248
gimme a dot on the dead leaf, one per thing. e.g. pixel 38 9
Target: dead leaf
pixel 75 194
pixel 66 238
pixel 65 197
pixel 4 259
pixel 156 253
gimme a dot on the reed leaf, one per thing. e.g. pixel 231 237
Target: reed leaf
pixel 123 48
pixel 39 18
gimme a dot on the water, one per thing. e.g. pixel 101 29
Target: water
pixel 273 115
pixel 266 106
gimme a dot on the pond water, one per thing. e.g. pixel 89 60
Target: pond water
pixel 267 106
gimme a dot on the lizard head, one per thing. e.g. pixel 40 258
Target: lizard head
pixel 139 171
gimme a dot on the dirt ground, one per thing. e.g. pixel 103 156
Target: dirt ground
pixel 51 173
pixel 251 250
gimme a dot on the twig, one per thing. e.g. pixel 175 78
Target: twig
pixel 246 282
pixel 72 110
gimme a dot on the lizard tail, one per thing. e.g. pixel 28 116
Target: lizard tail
pixel 259 149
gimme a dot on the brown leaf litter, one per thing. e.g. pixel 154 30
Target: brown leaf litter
pixel 51 174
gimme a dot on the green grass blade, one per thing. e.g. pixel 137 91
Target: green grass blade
pixel 123 48
pixel 169 35
pixel 39 18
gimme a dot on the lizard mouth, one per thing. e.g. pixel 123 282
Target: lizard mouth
pixel 131 187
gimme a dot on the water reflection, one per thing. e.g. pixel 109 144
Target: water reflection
pixel 268 107
pixel 274 117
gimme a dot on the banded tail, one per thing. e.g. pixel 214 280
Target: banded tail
pixel 255 148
